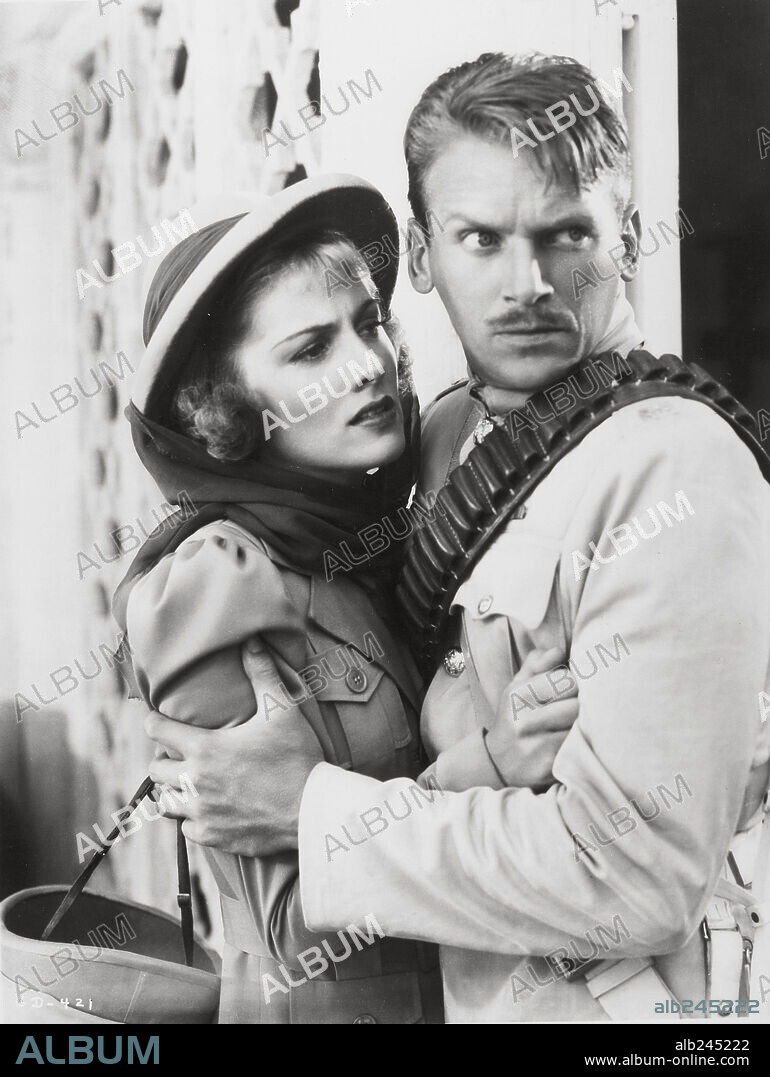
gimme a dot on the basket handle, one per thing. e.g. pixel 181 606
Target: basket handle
pixel 184 895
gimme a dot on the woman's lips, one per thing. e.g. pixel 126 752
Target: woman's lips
pixel 376 412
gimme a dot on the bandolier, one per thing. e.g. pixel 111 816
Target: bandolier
pixel 513 455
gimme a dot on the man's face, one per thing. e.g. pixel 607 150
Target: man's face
pixel 504 265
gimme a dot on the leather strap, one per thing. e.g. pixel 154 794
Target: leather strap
pixel 759 913
pixel 183 870
pixel 628 989
pixel 483 712
pixel 184 894
pixel 77 887
pixel 751 913
pixel 321 717
pixel 502 471
pixel 447 423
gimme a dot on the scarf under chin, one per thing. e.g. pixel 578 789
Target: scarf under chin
pixel 303 519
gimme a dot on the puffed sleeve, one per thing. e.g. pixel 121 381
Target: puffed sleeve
pixel 188 616
pixel 186 621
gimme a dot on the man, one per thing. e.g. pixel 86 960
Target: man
pixel 643 554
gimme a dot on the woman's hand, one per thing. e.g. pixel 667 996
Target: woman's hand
pixel 535 714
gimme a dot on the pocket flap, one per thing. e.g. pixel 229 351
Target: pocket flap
pixel 334 675
pixel 514 578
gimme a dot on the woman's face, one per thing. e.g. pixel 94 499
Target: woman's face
pixel 323 373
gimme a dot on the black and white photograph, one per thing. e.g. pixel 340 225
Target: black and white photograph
pixel 386 538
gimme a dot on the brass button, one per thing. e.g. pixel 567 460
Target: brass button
pixel 356 680
pixel 454 662
pixel 485 603
pixel 365 1019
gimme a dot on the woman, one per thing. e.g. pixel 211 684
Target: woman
pixel 270 398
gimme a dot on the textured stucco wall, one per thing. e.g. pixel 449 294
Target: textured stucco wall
pixel 200 83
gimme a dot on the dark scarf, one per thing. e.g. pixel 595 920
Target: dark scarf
pixel 301 518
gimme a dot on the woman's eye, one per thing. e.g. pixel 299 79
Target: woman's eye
pixel 575 237
pixel 479 240
pixel 312 352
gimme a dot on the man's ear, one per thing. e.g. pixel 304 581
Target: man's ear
pixel 418 259
pixel 630 232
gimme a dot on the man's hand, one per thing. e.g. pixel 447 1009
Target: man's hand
pixel 248 779
pixel 533 719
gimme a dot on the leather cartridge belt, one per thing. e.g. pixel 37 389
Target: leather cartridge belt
pixel 502 471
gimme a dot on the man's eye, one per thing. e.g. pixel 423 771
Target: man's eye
pixel 575 237
pixel 371 328
pixel 479 240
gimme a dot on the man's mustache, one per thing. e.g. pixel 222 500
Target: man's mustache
pixel 529 325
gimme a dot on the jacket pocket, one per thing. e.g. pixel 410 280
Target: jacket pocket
pixel 370 710
pixel 515 579
pixel 342 678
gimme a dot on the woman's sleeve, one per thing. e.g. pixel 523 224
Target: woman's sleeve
pixel 186 621
pixel 189 616
pixel 275 904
